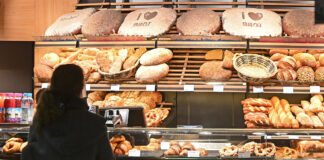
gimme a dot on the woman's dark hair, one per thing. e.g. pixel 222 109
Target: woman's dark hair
pixel 67 82
pixel 39 94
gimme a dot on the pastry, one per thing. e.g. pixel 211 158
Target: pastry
pixel 114 101
pixel 277 56
pixel 14 140
pixel 315 51
pixel 265 149
pixel 94 77
pixel 251 22
pixel 103 22
pixel 305 59
pixel 213 71
pixel 174 148
pixel 286 75
pixel 156 96
pixel 305 74
pixel 229 151
pixel 202 152
pixel 151 74
pixel 302 23
pixel 310 146
pixel 319 74
pixel 215 54
pixel 250 147
pixel 281 51
pixel 148 100
pixel 228 60
pixel 70 23
pixel 287 62
pixel 148 22
pixel 50 59
pixel 132 59
pixel 11 147
pixel 286 153
pixel 199 21
pixel 43 72
pixel 321 59
pixel 156 56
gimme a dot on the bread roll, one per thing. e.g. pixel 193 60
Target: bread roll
pixel 91 51
pixel 151 74
pixel 292 52
pixel 319 74
pixel 50 59
pixel 156 56
pixel 43 72
pixel 321 59
pixel 315 51
pixel 215 54
pixel 228 60
pixel 305 74
pixel 199 21
pixel 277 56
pixel 305 59
pixel 213 71
pixel 94 77
pixel 131 61
pixel 286 75
pixel 287 62
pixel 281 51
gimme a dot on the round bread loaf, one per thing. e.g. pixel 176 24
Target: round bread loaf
pixel 251 22
pixel 305 59
pixel 103 23
pixel 43 72
pixel 305 74
pixel 199 21
pixel 287 62
pixel 319 74
pixel 50 59
pixel 69 24
pixel 156 56
pixel 151 74
pixel 213 71
pixel 302 23
pixel 148 22
pixel 286 75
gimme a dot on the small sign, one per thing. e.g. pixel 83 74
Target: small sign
pixel 268 137
pixel 218 88
pixel 293 137
pixel 258 89
pixel 288 90
pixel 150 87
pixel 244 154
pixel 88 87
pixel 244 84
pixel 114 87
pixel 189 88
pixel 316 137
pixel 134 153
pixel 193 154
pixel 314 89
pixel 44 85
pixel 165 145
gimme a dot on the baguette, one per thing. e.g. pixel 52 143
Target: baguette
pixel 70 59
pixel 321 116
pixel 305 120
pixel 257 102
pixel 131 61
pixel 297 110
pixel 305 105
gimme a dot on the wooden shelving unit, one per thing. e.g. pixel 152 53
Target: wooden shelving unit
pixel 109 44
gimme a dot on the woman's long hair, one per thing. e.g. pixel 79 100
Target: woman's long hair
pixel 67 82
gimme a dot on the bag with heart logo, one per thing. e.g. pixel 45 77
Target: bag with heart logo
pixel 251 22
pixel 149 22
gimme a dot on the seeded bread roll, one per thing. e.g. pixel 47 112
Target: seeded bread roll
pixel 305 74
pixel 103 23
pixel 213 71
pixel 199 21
pixel 69 24
pixel 302 23
pixel 156 56
pixel 151 74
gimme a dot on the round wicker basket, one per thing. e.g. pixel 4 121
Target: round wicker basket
pixel 240 61
pixel 122 75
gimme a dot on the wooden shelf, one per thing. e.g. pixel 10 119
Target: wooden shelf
pixel 56 44
pixel 103 44
pixel 271 45
pixel 202 44
pixel 280 89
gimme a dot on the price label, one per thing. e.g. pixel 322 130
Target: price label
pixel 258 89
pixel 88 87
pixel 244 154
pixel 244 84
pixel 268 137
pixel 134 153
pixel 189 88
pixel 316 137
pixel 44 85
pixel 150 87
pixel 293 137
pixel 288 90
pixel 114 87
pixel 193 154
pixel 314 89
pixel 165 145
pixel 218 88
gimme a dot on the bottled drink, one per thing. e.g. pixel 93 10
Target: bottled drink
pixel 9 106
pixel 24 108
pixel 2 109
pixel 31 108
pixel 17 109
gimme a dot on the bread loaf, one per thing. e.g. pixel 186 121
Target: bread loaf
pixel 104 22
pixel 151 74
pixel 148 22
pixel 131 61
pixel 315 51
pixel 156 56
pixel 277 56
pixel 305 59
pixel 281 51
pixel 228 60
pixel 118 62
pixel 292 52
pixel 321 59
pixel 305 74
pixel 287 62
pixel 199 21
pixel 43 72
pixel 319 74
pixel 213 71
pixel 251 22
pixel 69 24
pixel 50 59
pixel 215 54
pixel 286 75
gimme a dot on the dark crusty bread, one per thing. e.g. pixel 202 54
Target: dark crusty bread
pixel 199 21
pixel 213 71
pixel 69 24
pixel 302 23
pixel 103 23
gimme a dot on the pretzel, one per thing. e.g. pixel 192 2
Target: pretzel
pixel 265 149
pixel 229 151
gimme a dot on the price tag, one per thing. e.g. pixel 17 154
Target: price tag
pixel 193 154
pixel 165 145
pixel 114 87
pixel 245 154
pixel 288 90
pixel 293 137
pixel 268 137
pixel 258 89
pixel 244 84
pixel 314 89
pixel 134 153
pixel 316 137
pixel 189 88
pixel 218 88
pixel 88 87
pixel 44 85
pixel 150 87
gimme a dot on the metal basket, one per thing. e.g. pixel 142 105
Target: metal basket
pixel 122 75
pixel 253 59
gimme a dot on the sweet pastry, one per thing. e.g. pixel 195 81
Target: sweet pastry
pixel 69 24
pixel 281 51
pixel 251 22
pixel 302 23
pixel 156 56
pixel 148 22
pixel 277 56
pixel 287 62
pixel 154 117
pixel 119 145
pixel 215 54
pixel 174 148
pixel 305 74
pixel 151 74
pixel 228 60
pixel 199 21
pixel 103 22
pixel 286 75
pixel 229 151
pixel 132 59
pixel 213 71
pixel 43 72
pixel 50 59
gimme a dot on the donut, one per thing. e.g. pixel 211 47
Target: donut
pixel 229 151
pixel 11 147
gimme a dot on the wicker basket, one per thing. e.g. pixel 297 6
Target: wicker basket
pixel 240 60
pixel 122 75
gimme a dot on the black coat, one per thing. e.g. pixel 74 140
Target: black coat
pixel 76 135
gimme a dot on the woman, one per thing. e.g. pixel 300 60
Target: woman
pixel 63 129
